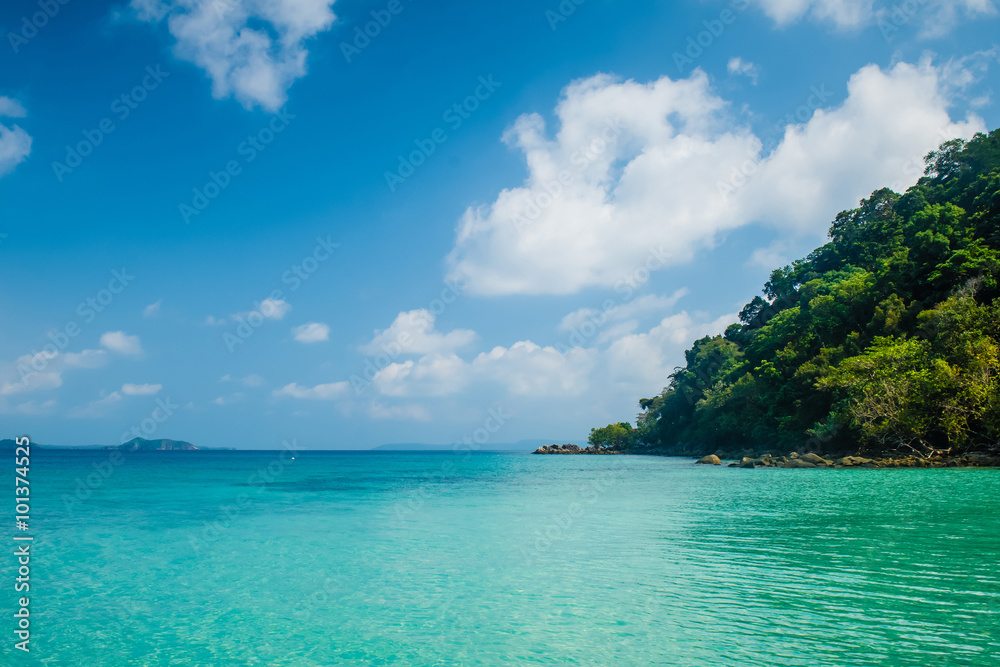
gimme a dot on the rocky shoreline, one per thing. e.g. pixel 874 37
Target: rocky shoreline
pixel 573 449
pixel 807 460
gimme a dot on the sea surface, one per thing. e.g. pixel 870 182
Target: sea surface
pixel 395 558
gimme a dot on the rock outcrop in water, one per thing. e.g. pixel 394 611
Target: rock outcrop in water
pixel 813 460
pixel 571 449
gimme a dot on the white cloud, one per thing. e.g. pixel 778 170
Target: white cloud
pixel 15 143
pixel 152 309
pixel 744 68
pixel 585 320
pixel 122 343
pixel 215 321
pixel 252 50
pixel 645 175
pixel 141 389
pixel 648 358
pixel 11 108
pixel 412 332
pixel 253 380
pixel 633 363
pixel 32 382
pixel 842 13
pixel 43 370
pixel 936 17
pixel 98 408
pixel 314 332
pixel 229 400
pixel 269 309
pixel 321 392
pixel 85 359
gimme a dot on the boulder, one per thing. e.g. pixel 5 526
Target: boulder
pixel 813 458
pixel 711 459
pixel 747 463
pixel 848 461
pixel 798 463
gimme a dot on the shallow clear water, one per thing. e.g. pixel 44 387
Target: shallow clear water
pixel 493 559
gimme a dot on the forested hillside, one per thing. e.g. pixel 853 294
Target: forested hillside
pixel 885 340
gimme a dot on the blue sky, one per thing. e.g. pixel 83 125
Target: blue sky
pixel 238 222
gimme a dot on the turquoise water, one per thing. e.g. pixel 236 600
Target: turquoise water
pixel 494 559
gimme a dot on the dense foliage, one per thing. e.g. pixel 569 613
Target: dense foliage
pixel 886 339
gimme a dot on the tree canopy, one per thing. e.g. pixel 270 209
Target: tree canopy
pixel 884 339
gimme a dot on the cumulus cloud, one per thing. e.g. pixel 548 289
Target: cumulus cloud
pixel 141 389
pixel 936 17
pixel 321 392
pixel 412 332
pixel 252 50
pixel 314 332
pixel 122 343
pixel 638 362
pixel 744 68
pixel 43 370
pixel 638 166
pixel 15 143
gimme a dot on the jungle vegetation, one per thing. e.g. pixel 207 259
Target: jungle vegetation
pixel 885 339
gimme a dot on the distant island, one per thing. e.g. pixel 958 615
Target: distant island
pixel 884 343
pixel 133 445
pixel 162 445
pixel 519 446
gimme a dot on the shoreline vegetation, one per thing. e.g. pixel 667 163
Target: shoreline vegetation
pixel 771 459
pixel 882 346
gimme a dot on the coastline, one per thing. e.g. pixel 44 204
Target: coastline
pixel 748 459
